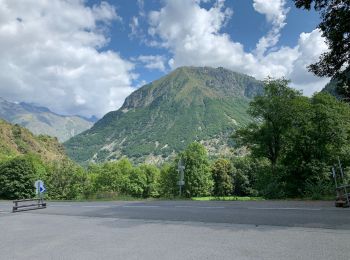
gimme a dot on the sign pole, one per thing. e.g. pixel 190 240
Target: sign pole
pixel 180 169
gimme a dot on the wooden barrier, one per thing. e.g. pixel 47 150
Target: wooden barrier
pixel 39 204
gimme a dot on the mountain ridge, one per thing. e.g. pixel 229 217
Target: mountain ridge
pixel 41 120
pixel 161 118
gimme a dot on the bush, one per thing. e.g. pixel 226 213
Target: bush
pixel 246 171
pixel 17 178
pixel 65 180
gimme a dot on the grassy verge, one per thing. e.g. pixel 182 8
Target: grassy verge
pixel 227 198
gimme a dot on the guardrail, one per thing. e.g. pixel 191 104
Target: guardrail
pixel 40 204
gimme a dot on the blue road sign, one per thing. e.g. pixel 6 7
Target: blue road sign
pixel 39 185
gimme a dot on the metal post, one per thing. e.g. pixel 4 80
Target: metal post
pixel 343 183
pixel 335 177
pixel 341 169
pixel 180 169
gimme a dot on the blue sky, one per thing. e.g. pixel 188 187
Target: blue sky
pixel 245 26
pixel 85 57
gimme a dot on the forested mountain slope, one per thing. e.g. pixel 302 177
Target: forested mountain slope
pixel 163 117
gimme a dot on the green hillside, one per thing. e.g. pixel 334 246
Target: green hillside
pixel 40 120
pixel 163 117
pixel 16 140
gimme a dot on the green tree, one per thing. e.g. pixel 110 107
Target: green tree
pixel 112 176
pixel 17 178
pixel 320 134
pixel 138 182
pixel 335 28
pixel 168 180
pixel 245 173
pixel 152 174
pixel 198 180
pixel 273 113
pixel 223 182
pixel 301 137
pixel 65 180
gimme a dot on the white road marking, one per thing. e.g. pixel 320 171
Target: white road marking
pixel 140 206
pixel 286 208
pixel 96 206
pixel 200 207
pixel 59 205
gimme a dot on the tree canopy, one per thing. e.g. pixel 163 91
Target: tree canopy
pixel 335 27
pixel 300 136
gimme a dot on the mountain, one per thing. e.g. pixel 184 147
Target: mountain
pixel 16 140
pixel 331 88
pixel 40 120
pixel 163 117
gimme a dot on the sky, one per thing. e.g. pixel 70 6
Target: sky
pixel 85 57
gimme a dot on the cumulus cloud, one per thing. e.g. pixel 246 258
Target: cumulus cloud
pixel 276 14
pixel 152 62
pixel 50 54
pixel 193 35
pixel 310 47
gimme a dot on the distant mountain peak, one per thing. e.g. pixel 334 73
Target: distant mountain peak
pixel 32 107
pixel 41 120
pixel 161 118
pixel 192 84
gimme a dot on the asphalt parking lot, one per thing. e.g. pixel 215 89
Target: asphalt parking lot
pixel 176 230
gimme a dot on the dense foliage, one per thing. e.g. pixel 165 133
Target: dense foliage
pixel 17 178
pixel 301 137
pixel 335 28
pixel 223 182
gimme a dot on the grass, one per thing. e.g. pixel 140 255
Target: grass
pixel 228 198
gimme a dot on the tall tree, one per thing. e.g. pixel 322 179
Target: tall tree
pixel 198 180
pixel 301 137
pixel 273 113
pixel 335 27
pixel 223 182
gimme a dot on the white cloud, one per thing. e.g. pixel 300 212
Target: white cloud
pixel 152 62
pixel 310 47
pixel 141 6
pixel 50 54
pixel 274 10
pixel 193 35
pixel 134 27
pixel 276 14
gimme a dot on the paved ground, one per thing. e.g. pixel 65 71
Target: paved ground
pixel 176 230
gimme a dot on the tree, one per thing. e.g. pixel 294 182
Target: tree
pixel 198 180
pixel 300 136
pixel 335 28
pixel 17 178
pixel 137 183
pixel 169 177
pixel 112 176
pixel 246 170
pixel 320 134
pixel 65 180
pixel 273 113
pixel 221 172
pixel 152 174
